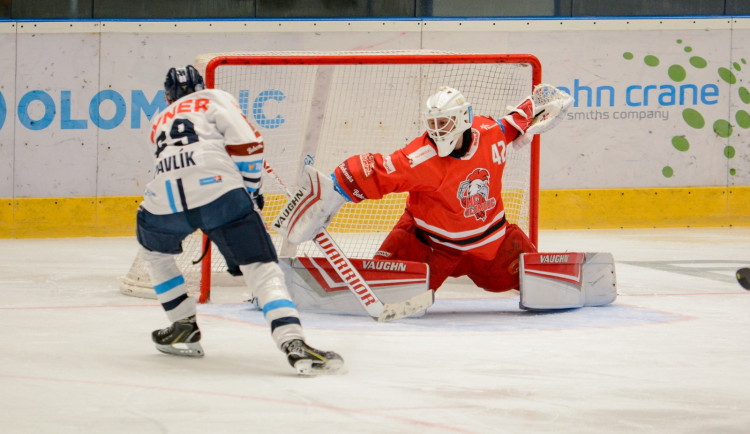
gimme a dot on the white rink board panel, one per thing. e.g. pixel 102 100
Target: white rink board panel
pixel 7 103
pixel 57 80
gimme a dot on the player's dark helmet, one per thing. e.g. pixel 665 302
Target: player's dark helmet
pixel 181 82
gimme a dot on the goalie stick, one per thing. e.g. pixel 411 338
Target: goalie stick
pixel 743 277
pixel 380 311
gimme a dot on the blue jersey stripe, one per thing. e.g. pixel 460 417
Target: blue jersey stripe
pixel 170 196
pixel 502 128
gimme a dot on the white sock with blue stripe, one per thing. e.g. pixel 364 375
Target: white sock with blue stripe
pixel 266 281
pixel 169 285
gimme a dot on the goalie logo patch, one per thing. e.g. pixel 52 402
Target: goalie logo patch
pixel 368 164
pixel 474 194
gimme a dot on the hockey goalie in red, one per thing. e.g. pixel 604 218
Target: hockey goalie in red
pixel 454 218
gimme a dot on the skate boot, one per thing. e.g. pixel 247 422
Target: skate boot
pixel 309 361
pixel 184 331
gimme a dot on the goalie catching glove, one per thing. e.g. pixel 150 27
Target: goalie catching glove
pixel 309 209
pixel 538 113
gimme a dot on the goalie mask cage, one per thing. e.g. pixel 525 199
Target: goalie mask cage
pixel 323 107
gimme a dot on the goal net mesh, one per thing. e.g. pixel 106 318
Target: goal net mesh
pixel 321 108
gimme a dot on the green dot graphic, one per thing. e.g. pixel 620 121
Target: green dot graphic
pixel 680 143
pixel 688 49
pixel 667 172
pixel 698 62
pixel 651 60
pixel 732 172
pixel 744 62
pixel 743 119
pixel 693 118
pixel 744 94
pixel 727 75
pixel 627 55
pixel 679 41
pixel 729 151
pixel 737 66
pixel 723 128
pixel 677 73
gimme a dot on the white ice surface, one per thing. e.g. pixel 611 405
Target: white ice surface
pixel 671 355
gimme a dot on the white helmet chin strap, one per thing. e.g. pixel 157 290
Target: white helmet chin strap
pixel 449 105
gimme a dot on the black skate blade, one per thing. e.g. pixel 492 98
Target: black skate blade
pixel 743 277
pixel 191 350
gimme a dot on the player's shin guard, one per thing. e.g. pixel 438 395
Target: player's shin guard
pixel 266 281
pixel 169 285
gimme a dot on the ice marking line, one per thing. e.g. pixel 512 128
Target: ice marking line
pixel 712 272
pixel 470 315
pixel 81 307
pixel 265 399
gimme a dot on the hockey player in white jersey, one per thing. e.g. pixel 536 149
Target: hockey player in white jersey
pixel 207 175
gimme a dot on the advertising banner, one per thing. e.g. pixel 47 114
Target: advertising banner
pixel 659 103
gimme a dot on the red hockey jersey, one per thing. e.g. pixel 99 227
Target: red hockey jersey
pixel 456 202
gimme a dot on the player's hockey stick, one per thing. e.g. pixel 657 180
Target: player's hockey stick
pixel 357 285
pixel 743 277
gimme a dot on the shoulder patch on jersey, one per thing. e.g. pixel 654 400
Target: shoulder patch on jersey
pixel 368 164
pixel 388 164
pixel 421 155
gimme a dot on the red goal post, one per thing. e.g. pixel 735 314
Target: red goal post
pixel 322 107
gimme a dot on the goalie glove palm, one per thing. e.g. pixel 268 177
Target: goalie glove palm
pixel 309 209
pixel 548 104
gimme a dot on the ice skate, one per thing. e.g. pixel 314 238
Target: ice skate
pixel 309 361
pixel 184 332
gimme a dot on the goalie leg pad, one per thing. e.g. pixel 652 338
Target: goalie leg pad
pixel 310 209
pixel 566 280
pixel 316 287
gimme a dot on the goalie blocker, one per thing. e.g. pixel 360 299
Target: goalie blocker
pixel 566 280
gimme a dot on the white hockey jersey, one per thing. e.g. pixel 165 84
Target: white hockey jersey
pixel 203 147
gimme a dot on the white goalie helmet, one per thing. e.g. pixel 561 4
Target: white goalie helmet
pixel 448 115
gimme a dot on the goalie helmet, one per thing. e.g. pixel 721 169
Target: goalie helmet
pixel 181 82
pixel 448 116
